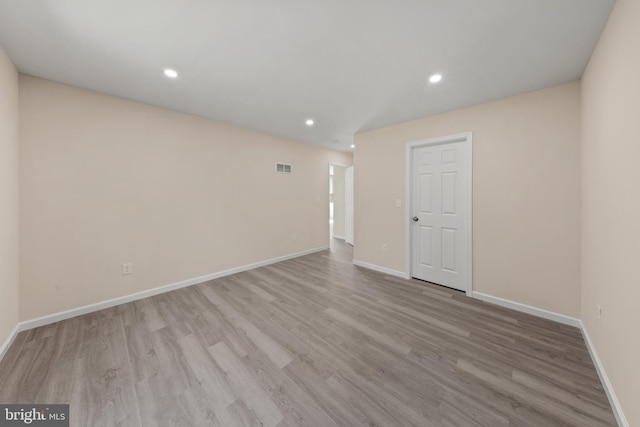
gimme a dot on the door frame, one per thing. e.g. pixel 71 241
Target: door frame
pixel 350 189
pixel 340 165
pixel 467 140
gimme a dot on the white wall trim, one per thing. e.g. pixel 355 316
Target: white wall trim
pixel 567 320
pixel 329 188
pixel 571 321
pixel 467 139
pixel 7 343
pixel 67 314
pixel 381 269
pixel 604 379
pixel 540 312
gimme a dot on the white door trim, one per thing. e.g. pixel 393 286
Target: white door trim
pixel 329 189
pixel 467 140
pixel 349 206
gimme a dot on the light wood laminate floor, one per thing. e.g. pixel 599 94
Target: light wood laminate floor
pixel 312 341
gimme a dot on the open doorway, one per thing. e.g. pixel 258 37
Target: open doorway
pixel 337 201
pixel 341 203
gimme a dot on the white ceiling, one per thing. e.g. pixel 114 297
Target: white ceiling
pixel 352 65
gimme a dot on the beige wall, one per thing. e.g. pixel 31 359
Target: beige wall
pixel 338 201
pixel 106 181
pixel 611 202
pixel 526 204
pixel 8 197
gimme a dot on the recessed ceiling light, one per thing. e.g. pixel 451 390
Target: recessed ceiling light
pixel 309 122
pixel 353 146
pixel 435 78
pixel 172 74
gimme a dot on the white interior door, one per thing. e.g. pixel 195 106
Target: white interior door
pixel 348 205
pixel 441 210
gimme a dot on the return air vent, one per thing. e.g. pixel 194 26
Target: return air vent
pixel 283 168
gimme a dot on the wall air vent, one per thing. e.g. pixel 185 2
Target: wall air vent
pixel 283 168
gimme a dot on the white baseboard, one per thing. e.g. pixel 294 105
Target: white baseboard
pixel 335 236
pixel 567 320
pixel 67 314
pixel 7 343
pixel 604 379
pixel 540 312
pixel 572 321
pixel 380 269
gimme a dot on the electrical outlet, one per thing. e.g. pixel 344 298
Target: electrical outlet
pixel 384 247
pixel 398 203
pixel 127 268
pixel 294 237
pixel 599 312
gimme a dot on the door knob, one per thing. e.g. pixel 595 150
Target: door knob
pixel 415 219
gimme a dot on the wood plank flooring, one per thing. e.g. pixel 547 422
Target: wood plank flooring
pixel 312 341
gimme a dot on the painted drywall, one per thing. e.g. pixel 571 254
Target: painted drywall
pixel 106 181
pixel 9 246
pixel 338 201
pixel 526 204
pixel 611 202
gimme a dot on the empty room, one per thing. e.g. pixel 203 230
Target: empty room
pixel 361 213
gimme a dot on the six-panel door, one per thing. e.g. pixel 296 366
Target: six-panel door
pixel 439 235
